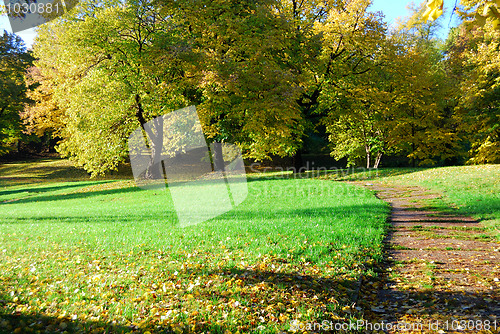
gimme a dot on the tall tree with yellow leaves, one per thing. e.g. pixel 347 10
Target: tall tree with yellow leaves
pixel 474 59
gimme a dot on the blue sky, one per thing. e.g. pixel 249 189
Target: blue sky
pixel 392 9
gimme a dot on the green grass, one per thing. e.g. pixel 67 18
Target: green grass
pixel 469 190
pixel 364 174
pixel 78 254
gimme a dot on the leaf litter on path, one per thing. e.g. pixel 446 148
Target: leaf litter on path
pixel 448 284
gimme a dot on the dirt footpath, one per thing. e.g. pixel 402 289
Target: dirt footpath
pixel 441 273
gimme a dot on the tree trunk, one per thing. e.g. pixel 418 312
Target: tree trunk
pixel 217 157
pixel 377 160
pixel 297 161
pixel 413 137
pixel 367 149
pixel 154 170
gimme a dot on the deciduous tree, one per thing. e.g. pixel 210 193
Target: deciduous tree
pixel 474 59
pixel 14 60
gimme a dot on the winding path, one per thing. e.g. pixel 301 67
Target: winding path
pixel 441 273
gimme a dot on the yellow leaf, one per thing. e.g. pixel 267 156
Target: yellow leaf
pixel 346 309
pixel 487 11
pixel 283 317
pixel 496 24
pixel 434 10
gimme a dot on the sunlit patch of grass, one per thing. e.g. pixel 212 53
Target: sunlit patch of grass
pixel 51 170
pixel 104 255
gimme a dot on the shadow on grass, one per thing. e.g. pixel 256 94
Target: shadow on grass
pixel 446 302
pixel 327 294
pixel 321 292
pixel 446 309
pixel 40 323
pixel 169 216
pixel 308 285
pixel 35 190
pixel 482 207
pixel 442 303
pixel 238 215
pixel 82 195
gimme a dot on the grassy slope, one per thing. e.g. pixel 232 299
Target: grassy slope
pixel 98 251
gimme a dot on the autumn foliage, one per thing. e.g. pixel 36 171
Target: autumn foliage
pixel 269 76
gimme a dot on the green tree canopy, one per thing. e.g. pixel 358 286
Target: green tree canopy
pixel 264 75
pixel 474 61
pixel 14 60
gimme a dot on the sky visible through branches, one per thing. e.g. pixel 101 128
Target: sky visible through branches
pixel 392 9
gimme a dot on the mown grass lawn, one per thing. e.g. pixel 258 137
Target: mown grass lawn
pixel 81 255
